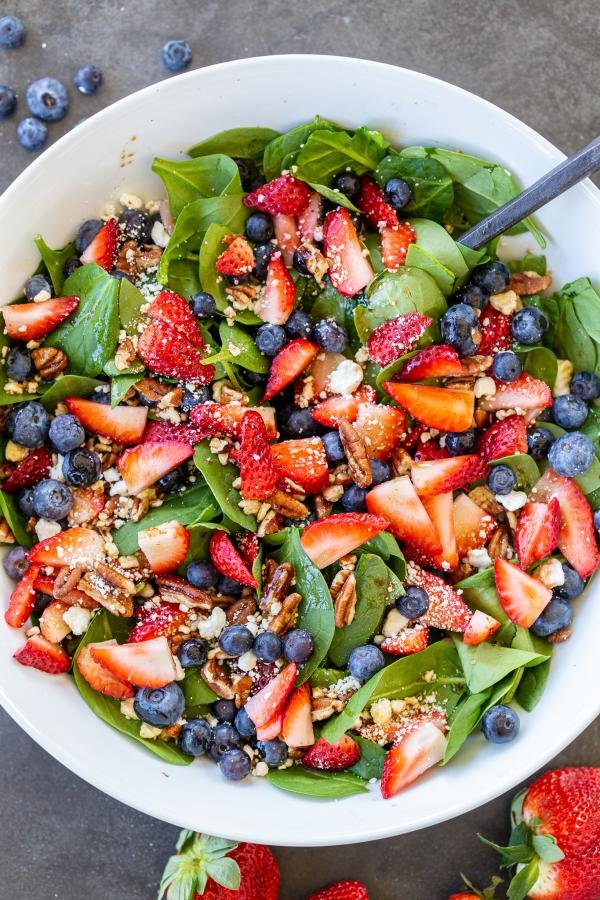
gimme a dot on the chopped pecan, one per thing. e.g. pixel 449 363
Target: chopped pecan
pixel 270 524
pixel 49 362
pixel 133 259
pixel 150 389
pixel 239 612
pixel 6 535
pixel 147 257
pixel 563 634
pixel 324 707
pixel 340 475
pixel 314 261
pixel 286 616
pixel 359 466
pixel 480 416
pixel 177 590
pixel 343 591
pixel 242 296
pixel 322 506
pixel 171 733
pixel 288 506
pixel 401 461
pixel 218 678
pixel 172 398
pixel 483 497
pixel 527 283
pixel 333 492
pixel 115 578
pixel 115 601
pixel 499 543
pixel 462 383
pixel 277 582
pixel 125 354
pixel 475 365
pixel 67 579
pixel 242 685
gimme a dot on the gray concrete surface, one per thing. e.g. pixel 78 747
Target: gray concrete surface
pixel 61 838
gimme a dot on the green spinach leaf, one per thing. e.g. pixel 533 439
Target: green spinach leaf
pixel 119 386
pixel 281 153
pixel 241 349
pixel 541 362
pixel 575 321
pixel 220 481
pixel 529 263
pixel 196 690
pixel 327 152
pixel 242 143
pixel 131 301
pixel 372 595
pixel 393 293
pixel 432 188
pixel 372 757
pixel 309 783
pixel 191 179
pixel 486 664
pixel 15 520
pixel 68 386
pixel 55 260
pixel 532 685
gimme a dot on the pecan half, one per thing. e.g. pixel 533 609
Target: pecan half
pixel 239 612
pixel 115 578
pixel 278 581
pixel 401 461
pixel 483 497
pixel 288 506
pixel 177 590
pixel 115 601
pixel 527 283
pixel 218 679
pixel 343 591
pixel 242 685
pixel 475 365
pixel 324 707
pixel 49 362
pixel 499 543
pixel 150 389
pixel 563 634
pixel 322 506
pixel 359 466
pixel 286 616
pixel 67 579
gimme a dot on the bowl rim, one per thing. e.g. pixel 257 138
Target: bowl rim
pixel 61 750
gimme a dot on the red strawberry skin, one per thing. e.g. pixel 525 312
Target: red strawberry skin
pixel 290 362
pixel 577 539
pixel 237 259
pixel 40 654
pixel 437 361
pixel 176 311
pixel 526 393
pixel 211 418
pixel 349 271
pixel 446 409
pixel 394 244
pixel 259 873
pixel 163 619
pixel 327 540
pixel 442 475
pixel 447 609
pixel 394 337
pixel 29 471
pixel 22 599
pixel 248 545
pixel 33 321
pixel 165 351
pixel 303 462
pixel 285 194
pixel 103 247
pixel 495 331
pixel 332 757
pixel 538 531
pixel 504 438
pixel 373 205
pixel 257 469
pixel 124 424
pixel 164 432
pixel 342 890
pixel 226 559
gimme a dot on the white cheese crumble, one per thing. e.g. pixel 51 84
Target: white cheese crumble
pixel 214 625
pixel 479 558
pixel 77 618
pixel 512 501
pixel 484 387
pixel 159 234
pixel 564 373
pixel 346 378
pixel 551 573
pixel 44 528
pixel 394 623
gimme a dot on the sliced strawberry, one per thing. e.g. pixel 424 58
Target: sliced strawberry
pixel 167 431
pixel 332 757
pixel 446 409
pixel 29 471
pixel 331 411
pixel 394 244
pixel 145 664
pixel 176 311
pixel 409 521
pixel 22 599
pixel 302 462
pixel 504 438
pixel 44 584
pixel 40 654
pixel 472 525
pixel 349 270
pixel 287 237
pixel 523 598
pixel 226 418
pixel 33 321
pixel 87 505
pixel 320 372
pixel 430 450
pixel 270 729
pixel 143 465
pixel 164 619
pixel 297 728
pixel 310 221
pixel 495 331
pixel 421 747
pixel 166 351
pixel 164 546
pixel 124 424
pixel 577 540
pixel 373 205
pixel 381 427
pixel 328 539
pixel 276 302
pixel 75 545
pixel 480 628
pixel 103 247
pixel 289 363
pixel 248 545
pixel 237 260
pixel 257 469
pixel 440 510
pixel 526 392
pixel 226 559
pixel 447 610
pixel 411 639
pixel 441 475
pixel 52 625
pixel 270 700
pixel 99 678
pixel 437 361
pixel 394 337
pixel 537 532
pixel 284 194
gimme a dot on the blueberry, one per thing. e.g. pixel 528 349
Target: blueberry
pixel 556 615
pixel 195 737
pixel 492 277
pixel 16 562
pixel 228 586
pixel 244 725
pixel 81 467
pixel 235 640
pixel 334 450
pixel 300 260
pixel 380 471
pixel 569 411
pixel 458 443
pixel 160 707
pixel 235 764
pixel 471 294
pixel 501 480
pixel 262 255
pixel 414 603
pixel 204 305
pixel 347 183
pixel 354 499
pixel 571 454
pixel 573 584
pixel 297 645
pixel 28 423
pixel 52 500
pixel 71 265
pixel 32 134
pixel 192 653
pixel 119 275
pixel 8 101
pixel 100 394
pixel 460 328
pixel 275 752
pixel 597 520
pixel 66 433
pixel 224 738
pixel 270 339
pixel 192 398
pixel 173 480
pixel 202 574
pixel 267 646
pixel 86 233
pixel 529 325
pixel 19 364
pixel 40 603
pixel 88 79
pixel 397 192
pixel 539 441
pixel 12 32
pixel 259 228
pixel 300 423
pixel 500 724
pixel 585 385
pixel 38 287
pixel 224 710
pixel 48 99
pixel 299 324
pixel 176 55
pixel 25 501
pixel 136 225
pixel 365 661
pixel 506 366
pixel 330 336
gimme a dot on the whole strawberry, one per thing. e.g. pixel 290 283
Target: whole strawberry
pixel 342 890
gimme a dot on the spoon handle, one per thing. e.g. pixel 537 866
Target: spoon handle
pixel 549 186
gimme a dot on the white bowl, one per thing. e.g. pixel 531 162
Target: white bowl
pixel 112 152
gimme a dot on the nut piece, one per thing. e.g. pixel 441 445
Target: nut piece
pixel 563 634
pixel 359 466
pixel 218 679
pixel 475 365
pixel 325 707
pixel 343 592
pixel 115 601
pixel 49 362
pixel 115 578
pixel 507 302
pixel 286 616
pixel 484 498
pixel 288 506
pixel 239 612
pixel 242 685
pixel 6 535
pixel 67 580
pixel 527 283
pixel 499 543
pixel 278 582
pixel 322 506
pixel 150 390
pixel 173 589
pixel 401 461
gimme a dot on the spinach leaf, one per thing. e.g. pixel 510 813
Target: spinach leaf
pixel 420 258
pixel 120 384
pixel 372 595
pixel 191 179
pixel 541 363
pixel 393 293
pixel 479 591
pixel 371 242
pixel 68 386
pixel 529 263
pixel 281 153
pixel 524 468
pixel 525 639
pixel 486 664
pixel 591 426
pixel 220 481
pixel 89 336
pixel 333 195
pixel 243 143
pixel 465 718
pixel 131 301
pixel 327 152
pixel 575 334
pixel 432 188
pixel 434 238
pixel 331 304
pixel 309 783
pixel 326 677
pixel 372 756
pixel 55 260
pixel 532 685
pixel 196 690
pixel 183 277
pixel 15 520
pixel 241 349
pixel 315 612
pixel 200 535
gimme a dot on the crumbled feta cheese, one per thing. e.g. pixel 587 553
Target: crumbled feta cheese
pixel 150 732
pixel 56 471
pixel 112 475
pixel 127 708
pixel 15 452
pixel 551 573
pixel 381 711
pixel 119 487
pixel 131 201
pixel 246 661
pixel 361 355
pixel 159 234
pixel 214 625
pixel 394 623
pixel 564 373
pixel 479 558
pixel 261 769
pixel 77 618
pixel 346 378
pixel 513 501
pixel 484 387
pixel 507 302
pixel 44 528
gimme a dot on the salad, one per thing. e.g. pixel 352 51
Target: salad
pixel 293 480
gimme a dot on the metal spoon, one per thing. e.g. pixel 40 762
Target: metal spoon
pixel 557 181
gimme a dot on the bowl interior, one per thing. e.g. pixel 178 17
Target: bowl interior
pixel 112 152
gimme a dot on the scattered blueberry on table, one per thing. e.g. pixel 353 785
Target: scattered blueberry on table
pixel 176 55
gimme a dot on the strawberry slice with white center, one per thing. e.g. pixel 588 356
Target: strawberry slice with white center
pixel 276 303
pixel 393 338
pixel 349 269
pixel 297 728
pixel 525 393
pixel 480 628
pixel 537 532
pixel 164 619
pixel 437 361
pixel 287 237
pixel 40 654
pixel 447 610
pixel 143 465
pixel 164 546
pixel 237 260
pixel 167 431
pixel 504 438
pixel 75 545
pixel 225 418
pixel 327 540
pixel 408 519
pixel 310 221
pixel 269 702
pixel 381 427
pixel 422 746
pixel 254 459
pixel 22 599
pixel 394 243
pixel 301 462
pixel 411 639
pixel 440 475
pixel 124 424
pixel 176 311
pixel 472 525
pixel 98 677
pixel 446 409
pixel 87 505
pixel 289 363
pixel 145 664
pixel 327 757
pixel 440 510
pixel 166 351
pixel 523 598
pixel 33 321
pixel 226 559
pixel 270 729
pixel 52 625
pixel 102 249
pixel 331 411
